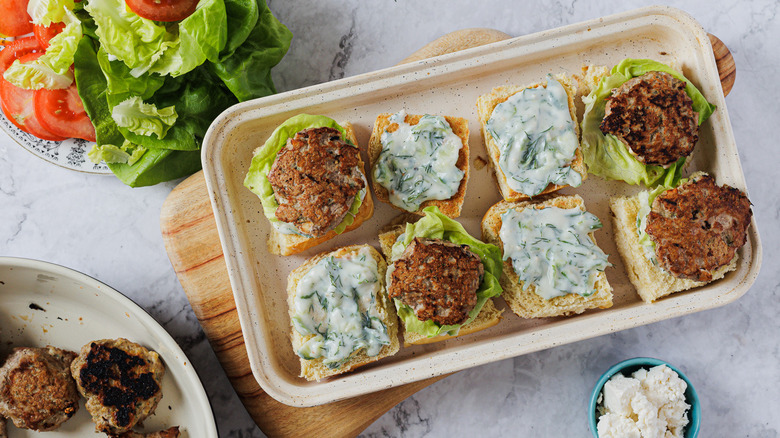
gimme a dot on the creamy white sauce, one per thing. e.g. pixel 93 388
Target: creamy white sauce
pixel 550 248
pixel 536 139
pixel 336 302
pixel 418 162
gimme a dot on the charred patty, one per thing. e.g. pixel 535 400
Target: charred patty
pixel 315 179
pixel 653 115
pixel 698 227
pixel 121 381
pixel 36 389
pixel 437 279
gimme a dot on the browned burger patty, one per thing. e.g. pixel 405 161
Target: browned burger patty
pixel 36 389
pixel 437 279
pixel 653 115
pixel 698 227
pixel 315 179
pixel 121 381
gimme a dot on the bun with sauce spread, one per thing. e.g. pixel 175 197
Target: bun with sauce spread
pixel 419 161
pixel 532 137
pixel 552 266
pixel 340 315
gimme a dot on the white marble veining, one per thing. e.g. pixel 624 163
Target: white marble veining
pixel 98 226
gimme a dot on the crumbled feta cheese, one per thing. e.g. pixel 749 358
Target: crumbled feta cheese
pixel 649 404
pixel 617 426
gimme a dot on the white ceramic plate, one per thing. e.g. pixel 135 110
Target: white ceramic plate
pixel 70 154
pixel 44 304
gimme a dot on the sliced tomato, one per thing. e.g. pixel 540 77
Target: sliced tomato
pixel 163 10
pixel 18 106
pixel 14 19
pixel 44 34
pixel 62 113
pixel 15 49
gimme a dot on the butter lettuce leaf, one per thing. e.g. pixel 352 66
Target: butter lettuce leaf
pixel 156 164
pixel 435 225
pixel 646 199
pixel 146 46
pixel 52 69
pixel 36 75
pixel 247 70
pixel 608 157
pixel 242 17
pixel 126 153
pixel 172 64
pixel 143 118
pixel 201 37
pixel 46 12
pixel 256 178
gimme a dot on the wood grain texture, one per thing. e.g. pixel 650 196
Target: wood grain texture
pixel 726 68
pixel 192 242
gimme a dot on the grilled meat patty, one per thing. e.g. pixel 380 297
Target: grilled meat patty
pixel 121 381
pixel 437 279
pixel 315 179
pixel 653 115
pixel 36 389
pixel 698 226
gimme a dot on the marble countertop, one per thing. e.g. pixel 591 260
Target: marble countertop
pixel 98 226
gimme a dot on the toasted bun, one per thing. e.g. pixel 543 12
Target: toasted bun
pixel 485 105
pixel 526 303
pixel 449 207
pixel 650 281
pixel 314 369
pixel 590 77
pixel 287 244
pixel 487 317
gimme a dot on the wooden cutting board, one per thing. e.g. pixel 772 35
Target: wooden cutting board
pixel 190 235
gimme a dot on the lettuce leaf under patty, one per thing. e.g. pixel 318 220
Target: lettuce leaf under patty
pixel 646 199
pixel 608 157
pixel 435 225
pixel 256 178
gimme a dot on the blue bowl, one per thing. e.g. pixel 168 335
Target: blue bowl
pixel 627 367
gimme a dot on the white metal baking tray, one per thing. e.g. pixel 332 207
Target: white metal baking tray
pixel 450 85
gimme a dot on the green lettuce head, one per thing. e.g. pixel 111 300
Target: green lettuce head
pixel 256 178
pixel 607 156
pixel 435 225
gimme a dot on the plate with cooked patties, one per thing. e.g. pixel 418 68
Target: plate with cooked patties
pixel 574 116
pixel 79 357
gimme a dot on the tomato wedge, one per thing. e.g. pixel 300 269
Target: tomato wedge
pixel 18 106
pixel 62 113
pixel 44 34
pixel 14 19
pixel 163 10
pixel 14 50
